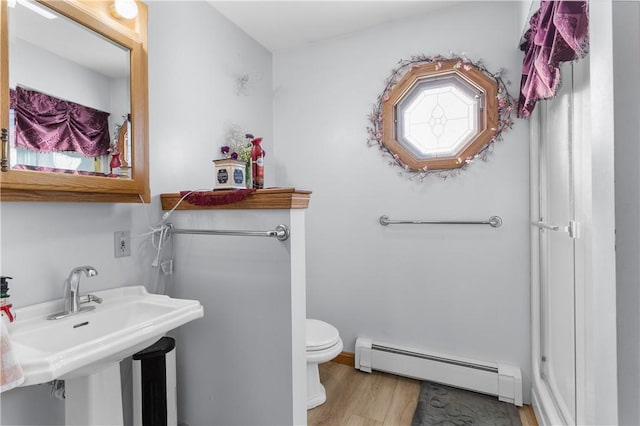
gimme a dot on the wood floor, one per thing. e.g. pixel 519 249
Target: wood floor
pixel 355 398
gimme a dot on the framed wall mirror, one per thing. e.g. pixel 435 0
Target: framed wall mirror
pixel 74 102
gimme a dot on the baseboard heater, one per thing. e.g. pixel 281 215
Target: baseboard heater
pixel 500 379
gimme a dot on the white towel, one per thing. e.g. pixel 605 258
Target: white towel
pixel 10 370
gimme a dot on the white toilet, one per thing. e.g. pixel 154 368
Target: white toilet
pixel 323 344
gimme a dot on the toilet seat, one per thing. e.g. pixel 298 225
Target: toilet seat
pixel 323 344
pixel 320 335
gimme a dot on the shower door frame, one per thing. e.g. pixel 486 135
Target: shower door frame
pixel 550 401
pixel 596 397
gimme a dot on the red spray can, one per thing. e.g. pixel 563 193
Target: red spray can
pixel 257 163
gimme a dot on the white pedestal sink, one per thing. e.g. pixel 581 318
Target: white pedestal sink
pixel 85 349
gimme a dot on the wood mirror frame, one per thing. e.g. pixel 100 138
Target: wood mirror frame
pixel 487 89
pixel 22 185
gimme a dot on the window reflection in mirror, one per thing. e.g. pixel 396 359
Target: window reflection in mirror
pixel 60 68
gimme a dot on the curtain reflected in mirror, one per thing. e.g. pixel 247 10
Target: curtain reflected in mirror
pixel 70 96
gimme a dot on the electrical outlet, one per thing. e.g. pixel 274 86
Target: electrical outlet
pixel 121 244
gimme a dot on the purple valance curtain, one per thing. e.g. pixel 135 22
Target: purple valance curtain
pixel 559 32
pixel 48 124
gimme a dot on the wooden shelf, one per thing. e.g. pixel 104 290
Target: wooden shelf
pixel 270 198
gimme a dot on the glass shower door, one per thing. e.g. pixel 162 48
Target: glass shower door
pixel 557 251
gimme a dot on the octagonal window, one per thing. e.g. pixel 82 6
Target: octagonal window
pixel 437 116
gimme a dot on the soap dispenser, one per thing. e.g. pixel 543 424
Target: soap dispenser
pixel 5 306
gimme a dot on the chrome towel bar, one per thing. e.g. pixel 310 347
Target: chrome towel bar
pixel 281 232
pixel 494 222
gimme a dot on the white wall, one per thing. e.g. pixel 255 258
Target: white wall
pixel 626 51
pixel 236 363
pixel 469 294
pixel 452 289
pixel 194 57
pixel 41 243
pixel 241 282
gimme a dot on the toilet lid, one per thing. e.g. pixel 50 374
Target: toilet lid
pixel 320 335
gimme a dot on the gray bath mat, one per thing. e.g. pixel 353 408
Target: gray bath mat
pixel 446 406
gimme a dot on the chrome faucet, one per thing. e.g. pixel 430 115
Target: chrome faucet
pixel 72 290
pixel 72 298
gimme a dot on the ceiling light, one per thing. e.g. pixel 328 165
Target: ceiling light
pixel 126 9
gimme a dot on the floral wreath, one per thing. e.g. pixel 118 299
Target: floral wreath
pixel 505 108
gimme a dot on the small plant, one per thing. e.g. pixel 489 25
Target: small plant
pixel 239 144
